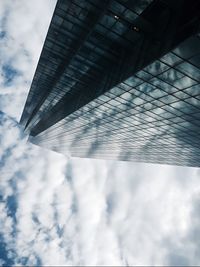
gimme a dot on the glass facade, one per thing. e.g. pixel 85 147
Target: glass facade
pixel 112 83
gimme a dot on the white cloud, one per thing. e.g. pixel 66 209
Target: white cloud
pixel 25 24
pixel 90 212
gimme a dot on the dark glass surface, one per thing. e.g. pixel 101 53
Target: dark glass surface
pixel 111 85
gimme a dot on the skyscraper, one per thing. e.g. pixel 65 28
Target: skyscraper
pixel 119 79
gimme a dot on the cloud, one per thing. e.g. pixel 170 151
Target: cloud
pixel 21 42
pixel 93 212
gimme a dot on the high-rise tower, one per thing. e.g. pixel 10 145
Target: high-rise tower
pixel 119 79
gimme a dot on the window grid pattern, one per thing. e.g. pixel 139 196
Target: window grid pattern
pixel 94 93
pixel 153 116
pixel 71 23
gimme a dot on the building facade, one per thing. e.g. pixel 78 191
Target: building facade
pixel 119 80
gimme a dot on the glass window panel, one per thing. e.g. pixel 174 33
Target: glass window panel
pixel 184 82
pixel 146 97
pixel 104 98
pixel 107 21
pixel 148 106
pixel 168 99
pixel 196 115
pixel 117 7
pixel 113 102
pixel 181 95
pixel 149 119
pixel 185 124
pixel 122 100
pixel 167 115
pixel 196 122
pixel 122 107
pixel 130 15
pixel 163 85
pixel 144 75
pixel 171 59
pixel 188 48
pixel 141 5
pixel 194 90
pixel 156 67
pixel 157 93
pixel 137 101
pixel 133 81
pixel 127 96
pixel 195 60
pixel 158 111
pixel 119 28
pixel 113 36
pixel 177 119
pixel 189 69
pixel 146 88
pixel 101 29
pixel 193 101
pixel 187 108
pixel 170 76
pixel 124 86
pixel 158 103
pixel 116 91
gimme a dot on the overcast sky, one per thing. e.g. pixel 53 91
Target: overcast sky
pixel 56 210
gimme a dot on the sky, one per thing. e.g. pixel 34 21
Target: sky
pixel 57 210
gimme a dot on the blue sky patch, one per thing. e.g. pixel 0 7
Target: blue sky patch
pixel 9 74
pixel 12 206
pixel 2 34
pixel 4 253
